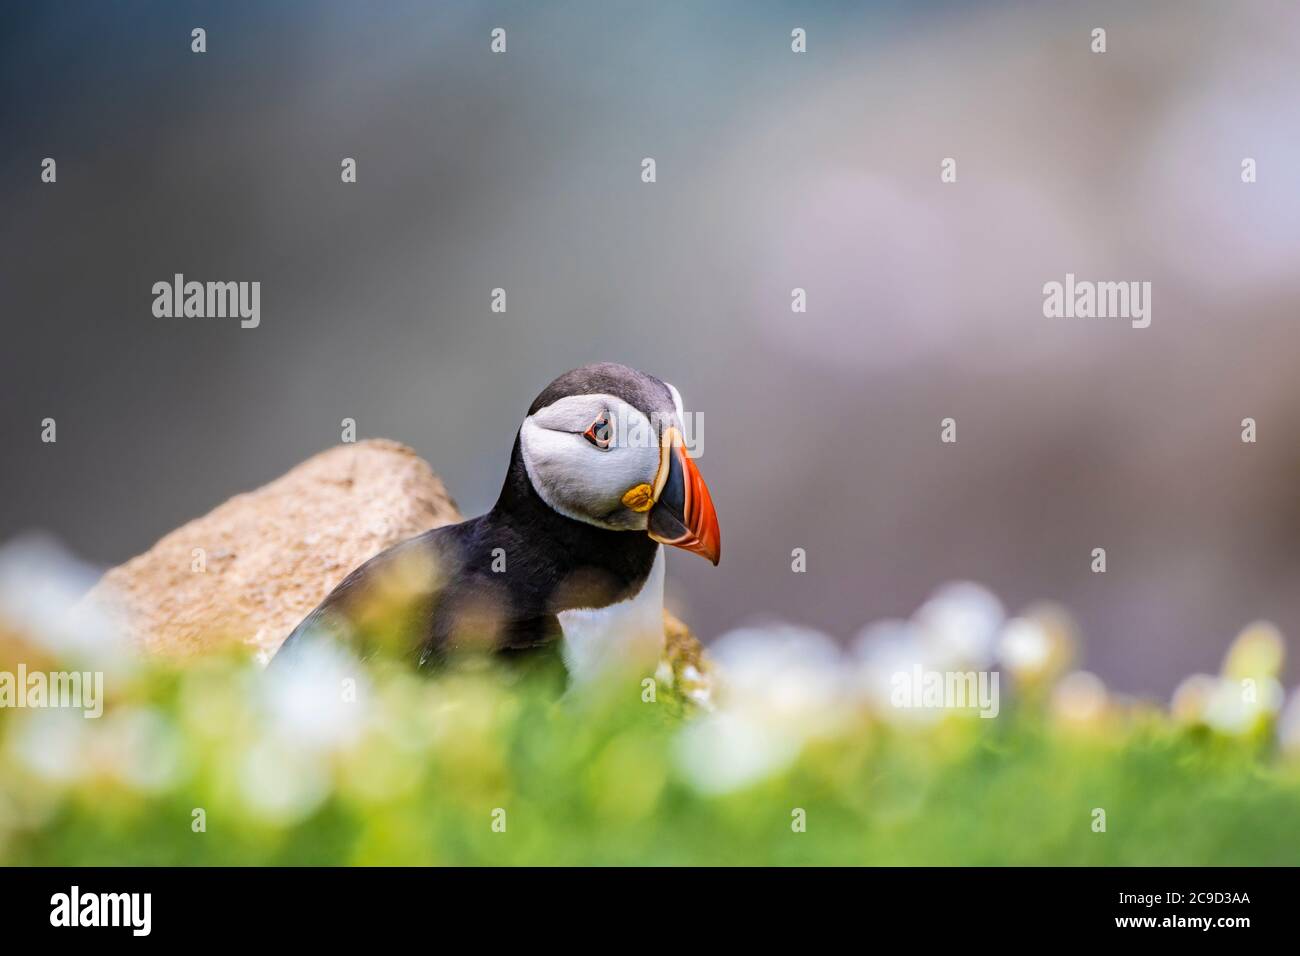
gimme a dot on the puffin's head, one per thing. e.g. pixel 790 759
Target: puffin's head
pixel 603 445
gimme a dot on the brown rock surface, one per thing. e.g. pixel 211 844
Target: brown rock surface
pixel 272 554
pixel 269 556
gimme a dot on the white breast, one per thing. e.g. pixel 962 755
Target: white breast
pixel 627 637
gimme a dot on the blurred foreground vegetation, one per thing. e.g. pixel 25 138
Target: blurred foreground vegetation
pixel 417 770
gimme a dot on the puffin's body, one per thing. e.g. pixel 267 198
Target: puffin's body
pixel 598 479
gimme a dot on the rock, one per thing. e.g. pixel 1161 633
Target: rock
pixel 684 658
pixel 251 569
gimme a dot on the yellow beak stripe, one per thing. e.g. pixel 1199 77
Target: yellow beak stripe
pixel 639 498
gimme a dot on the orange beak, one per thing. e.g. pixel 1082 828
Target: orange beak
pixel 683 514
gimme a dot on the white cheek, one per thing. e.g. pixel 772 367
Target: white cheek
pixel 580 482
pixel 538 447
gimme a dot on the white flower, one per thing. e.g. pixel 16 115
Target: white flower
pixel 958 625
pixel 724 752
pixel 281 783
pixel 1080 698
pixel 141 747
pixel 1257 652
pixel 880 652
pixel 319 701
pixel 1025 646
pixel 781 687
pixel 1227 705
pixel 1038 644
pixel 53 743
pixel 1235 706
pixel 787 676
pixel 41 587
pixel 1192 698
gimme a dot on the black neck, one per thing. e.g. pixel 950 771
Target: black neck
pixel 615 563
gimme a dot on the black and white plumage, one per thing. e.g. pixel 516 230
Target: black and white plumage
pixel 599 479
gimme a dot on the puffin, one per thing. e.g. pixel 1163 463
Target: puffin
pixel 600 480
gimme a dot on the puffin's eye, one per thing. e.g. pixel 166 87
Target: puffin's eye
pixel 599 434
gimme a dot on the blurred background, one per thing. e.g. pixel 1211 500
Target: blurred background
pixel 775 171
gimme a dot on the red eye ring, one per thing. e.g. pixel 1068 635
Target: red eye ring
pixel 600 433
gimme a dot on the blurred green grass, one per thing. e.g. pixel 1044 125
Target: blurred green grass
pixel 423 766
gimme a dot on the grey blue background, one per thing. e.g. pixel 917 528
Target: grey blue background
pixel 775 170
